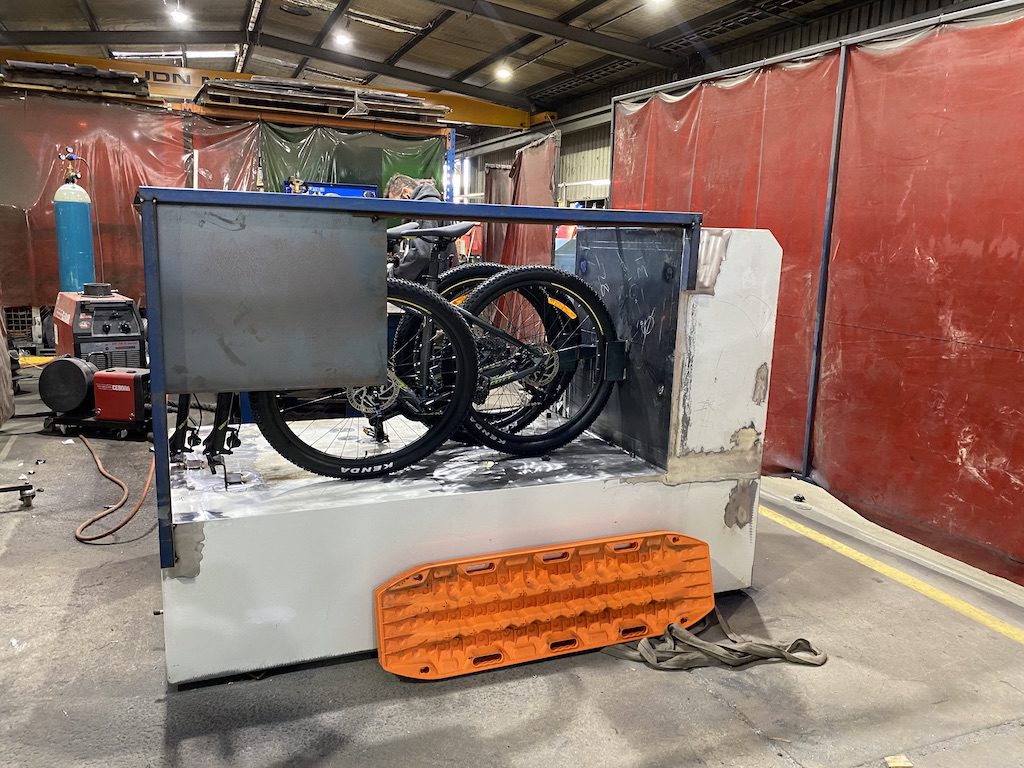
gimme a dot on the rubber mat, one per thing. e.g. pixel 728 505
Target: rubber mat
pixel 460 616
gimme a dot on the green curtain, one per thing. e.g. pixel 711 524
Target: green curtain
pixel 326 154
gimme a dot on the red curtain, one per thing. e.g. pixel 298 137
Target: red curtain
pixel 497 191
pixel 125 147
pixel 921 401
pixel 227 152
pixel 747 152
pixel 533 183
pixel 923 350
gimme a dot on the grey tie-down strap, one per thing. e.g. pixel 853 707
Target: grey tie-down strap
pixel 681 648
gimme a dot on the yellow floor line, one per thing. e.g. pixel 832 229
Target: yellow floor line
pixel 933 593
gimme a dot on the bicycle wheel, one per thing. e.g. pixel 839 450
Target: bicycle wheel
pixel 355 432
pixel 457 283
pixel 548 382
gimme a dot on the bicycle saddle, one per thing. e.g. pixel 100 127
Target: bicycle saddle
pixel 451 231
pixel 402 229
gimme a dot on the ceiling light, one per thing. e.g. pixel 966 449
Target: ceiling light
pixel 227 53
pixel 175 54
pixel 343 38
pixel 392 25
pixel 503 73
pixel 179 16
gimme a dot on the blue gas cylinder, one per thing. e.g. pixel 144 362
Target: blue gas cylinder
pixel 75 263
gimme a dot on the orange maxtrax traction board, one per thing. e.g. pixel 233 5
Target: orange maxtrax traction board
pixel 459 616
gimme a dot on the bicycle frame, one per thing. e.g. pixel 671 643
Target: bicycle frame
pixel 440 244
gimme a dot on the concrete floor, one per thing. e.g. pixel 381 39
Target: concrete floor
pixel 82 682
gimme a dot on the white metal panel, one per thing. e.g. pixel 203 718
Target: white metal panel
pixel 724 355
pixel 287 572
pixel 282 569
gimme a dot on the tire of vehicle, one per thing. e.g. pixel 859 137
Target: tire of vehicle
pixel 544 280
pixel 457 283
pixel 423 303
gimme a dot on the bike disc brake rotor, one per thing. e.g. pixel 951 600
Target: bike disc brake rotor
pixel 549 368
pixel 377 398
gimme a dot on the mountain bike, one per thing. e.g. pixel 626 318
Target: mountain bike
pixel 522 360
pixel 547 359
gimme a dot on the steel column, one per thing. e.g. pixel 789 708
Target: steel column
pixel 826 252
pixel 449 192
pixel 158 389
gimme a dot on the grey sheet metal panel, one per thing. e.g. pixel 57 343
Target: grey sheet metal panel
pixel 258 298
pixel 638 274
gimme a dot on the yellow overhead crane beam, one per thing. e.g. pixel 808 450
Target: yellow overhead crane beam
pixel 183 83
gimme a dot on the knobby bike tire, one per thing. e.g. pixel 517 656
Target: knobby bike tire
pixel 275 429
pixel 524 279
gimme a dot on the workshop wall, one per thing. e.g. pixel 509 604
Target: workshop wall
pixel 129 146
pixel 917 414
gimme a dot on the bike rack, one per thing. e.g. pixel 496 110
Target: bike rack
pixel 358 229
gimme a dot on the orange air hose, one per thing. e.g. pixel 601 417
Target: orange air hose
pixel 80 530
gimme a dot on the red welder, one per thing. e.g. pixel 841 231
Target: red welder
pixel 120 394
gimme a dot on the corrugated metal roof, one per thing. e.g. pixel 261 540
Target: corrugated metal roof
pixel 470 42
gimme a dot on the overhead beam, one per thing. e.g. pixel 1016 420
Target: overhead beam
pixel 415 40
pixel 399 73
pixel 170 82
pixel 570 15
pixel 333 18
pixel 257 28
pixel 90 19
pixel 558 30
pixel 694 26
pixel 122 37
pixel 233 37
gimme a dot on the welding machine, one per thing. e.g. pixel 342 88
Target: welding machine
pixel 99 382
pixel 115 400
pixel 100 326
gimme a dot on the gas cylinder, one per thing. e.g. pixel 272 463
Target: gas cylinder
pixel 73 210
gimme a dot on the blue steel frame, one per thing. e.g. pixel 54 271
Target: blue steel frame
pixel 449 189
pixel 149 198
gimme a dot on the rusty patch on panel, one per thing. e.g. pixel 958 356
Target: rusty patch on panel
pixel 742 458
pixel 460 616
pixel 760 385
pixel 189 539
pixel 739 510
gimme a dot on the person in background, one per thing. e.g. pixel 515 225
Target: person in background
pixel 414 261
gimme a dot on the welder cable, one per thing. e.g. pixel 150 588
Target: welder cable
pixel 80 531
